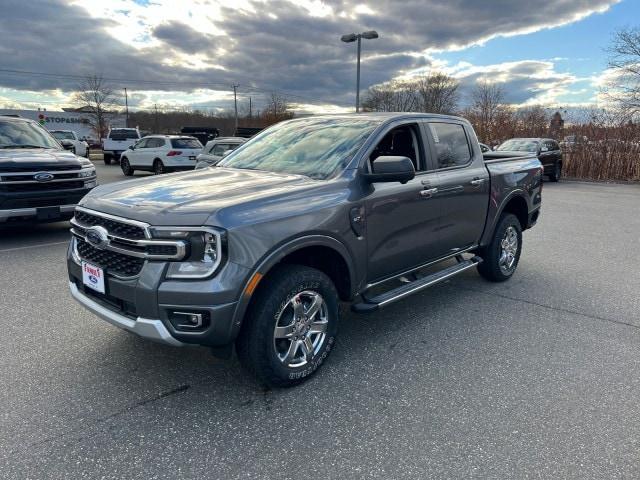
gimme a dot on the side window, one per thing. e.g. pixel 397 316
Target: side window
pixel 401 141
pixel 155 143
pixel 219 149
pixel 452 146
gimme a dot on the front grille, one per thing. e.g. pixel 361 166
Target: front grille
pixel 48 168
pixel 167 250
pixel 119 229
pixel 112 262
pixel 29 177
pixel 40 187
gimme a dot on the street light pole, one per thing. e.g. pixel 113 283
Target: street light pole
pixel 352 37
pixel 358 76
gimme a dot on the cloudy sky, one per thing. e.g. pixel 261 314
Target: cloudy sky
pixel 190 53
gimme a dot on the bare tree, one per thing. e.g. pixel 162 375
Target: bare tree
pixel 437 93
pixel 96 94
pixel 488 110
pixel 433 93
pixel 277 106
pixel 624 59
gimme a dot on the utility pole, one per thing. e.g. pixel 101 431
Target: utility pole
pixel 250 117
pixel 235 105
pixel 126 106
pixel 155 106
pixel 353 37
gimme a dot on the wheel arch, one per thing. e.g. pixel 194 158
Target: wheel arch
pixel 516 203
pixel 322 252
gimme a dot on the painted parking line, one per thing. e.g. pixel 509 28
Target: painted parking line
pixel 33 246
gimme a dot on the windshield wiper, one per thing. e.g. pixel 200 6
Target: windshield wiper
pixel 24 146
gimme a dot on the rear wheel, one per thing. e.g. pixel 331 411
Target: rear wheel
pixel 291 326
pixel 501 256
pixel 107 158
pixel 555 175
pixel 158 167
pixel 126 167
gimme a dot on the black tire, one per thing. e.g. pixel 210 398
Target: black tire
pixel 158 167
pixel 107 159
pixel 126 167
pixel 264 355
pixel 491 267
pixel 555 175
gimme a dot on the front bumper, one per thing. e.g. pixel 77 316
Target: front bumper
pixel 145 327
pixel 27 213
pixel 144 304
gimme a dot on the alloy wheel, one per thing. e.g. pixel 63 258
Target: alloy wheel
pixel 301 329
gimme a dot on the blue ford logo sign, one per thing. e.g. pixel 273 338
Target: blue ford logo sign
pixel 43 177
pixel 97 237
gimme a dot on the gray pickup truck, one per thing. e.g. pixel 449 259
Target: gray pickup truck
pixel 259 251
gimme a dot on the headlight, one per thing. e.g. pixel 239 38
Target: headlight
pixel 206 250
pixel 87 172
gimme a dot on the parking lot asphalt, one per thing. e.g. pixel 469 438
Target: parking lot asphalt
pixel 537 377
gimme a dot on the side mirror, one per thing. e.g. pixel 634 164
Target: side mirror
pixel 391 169
pixel 131 147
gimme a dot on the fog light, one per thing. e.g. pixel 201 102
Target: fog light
pixel 189 320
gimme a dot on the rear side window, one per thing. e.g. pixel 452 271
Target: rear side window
pixel 185 143
pixel 452 146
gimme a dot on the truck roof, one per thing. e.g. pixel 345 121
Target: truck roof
pixel 384 116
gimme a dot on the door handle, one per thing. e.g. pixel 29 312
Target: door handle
pixel 428 193
pixel 476 182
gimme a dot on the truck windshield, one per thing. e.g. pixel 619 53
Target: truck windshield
pixel 22 134
pixel 519 145
pixel 316 148
pixel 63 135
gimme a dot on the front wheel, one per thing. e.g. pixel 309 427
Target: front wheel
pixel 126 167
pixel 555 175
pixel 291 326
pixel 158 167
pixel 501 256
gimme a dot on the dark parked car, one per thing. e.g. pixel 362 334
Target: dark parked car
pixel 259 251
pixel 39 180
pixel 547 150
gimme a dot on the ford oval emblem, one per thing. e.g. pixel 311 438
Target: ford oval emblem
pixel 97 237
pixel 43 177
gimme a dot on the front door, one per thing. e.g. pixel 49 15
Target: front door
pixel 402 220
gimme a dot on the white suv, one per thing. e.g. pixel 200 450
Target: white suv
pixel 160 154
pixel 77 146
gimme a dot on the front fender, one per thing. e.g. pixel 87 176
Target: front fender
pixel 274 256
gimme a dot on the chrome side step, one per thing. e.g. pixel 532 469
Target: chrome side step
pixel 386 298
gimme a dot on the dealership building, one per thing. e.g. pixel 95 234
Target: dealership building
pixel 69 119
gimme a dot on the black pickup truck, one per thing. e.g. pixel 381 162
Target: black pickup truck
pixel 39 180
pixel 258 251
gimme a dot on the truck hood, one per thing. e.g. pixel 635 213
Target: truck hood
pixel 35 159
pixel 191 198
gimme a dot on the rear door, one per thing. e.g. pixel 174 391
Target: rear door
pixel 463 184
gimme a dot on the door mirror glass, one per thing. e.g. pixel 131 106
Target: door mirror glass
pixel 391 169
